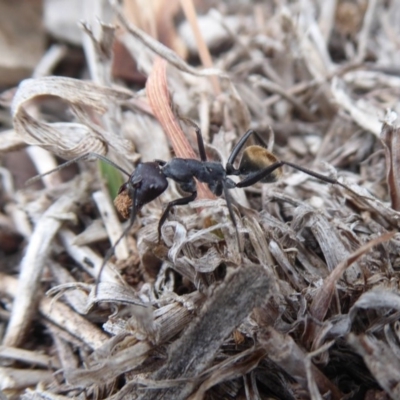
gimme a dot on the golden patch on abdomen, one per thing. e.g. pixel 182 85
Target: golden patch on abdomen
pixel 256 158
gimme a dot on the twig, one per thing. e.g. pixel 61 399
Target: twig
pixel 204 53
pixel 365 31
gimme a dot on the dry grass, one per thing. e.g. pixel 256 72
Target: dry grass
pixel 306 307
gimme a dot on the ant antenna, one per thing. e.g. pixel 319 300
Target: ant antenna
pixel 86 156
pixel 111 250
pixel 90 156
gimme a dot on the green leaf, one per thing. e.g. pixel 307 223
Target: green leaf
pixel 112 177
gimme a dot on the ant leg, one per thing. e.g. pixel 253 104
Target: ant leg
pixel 178 202
pixel 231 213
pixel 230 169
pixel 200 142
pixel 256 177
pixel 315 174
pixel 75 160
pixel 111 250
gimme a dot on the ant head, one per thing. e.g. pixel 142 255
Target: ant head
pixel 145 184
pixel 256 158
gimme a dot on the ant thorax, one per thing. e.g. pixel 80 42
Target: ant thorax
pixel 184 170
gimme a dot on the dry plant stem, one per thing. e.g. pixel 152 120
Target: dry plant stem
pixel 87 258
pixel 204 53
pixel 291 274
pixel 233 35
pixel 66 337
pixel 76 299
pixel 39 394
pixel 76 325
pixel 301 87
pixel 165 52
pixel 13 378
pixel 20 219
pixel 7 182
pixel 327 18
pixel 112 224
pixel 60 315
pixel 50 60
pixel 45 161
pixel 97 42
pixel 160 102
pixel 273 87
pixel 117 364
pixel 365 31
pixel 33 263
pixel 190 355
pixel 258 240
pixel 28 357
pixel 390 137
pixel 64 349
pixel 95 232
pixel 204 116
pixel 322 299
pixel 321 47
pixel 329 239
pixel 312 385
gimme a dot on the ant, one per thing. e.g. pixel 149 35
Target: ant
pixel 150 179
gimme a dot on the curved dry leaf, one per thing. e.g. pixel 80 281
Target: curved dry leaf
pixel 68 140
pixel 380 360
pixel 284 351
pixel 323 297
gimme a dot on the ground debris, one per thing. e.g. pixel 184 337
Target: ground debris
pixel 302 301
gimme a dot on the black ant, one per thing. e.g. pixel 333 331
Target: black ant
pixel 150 179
